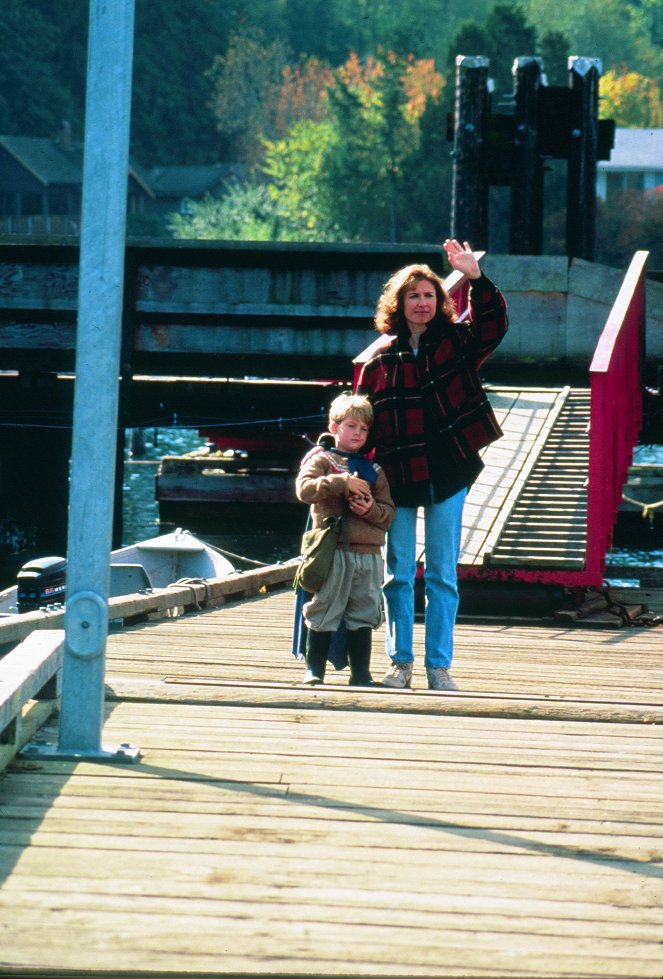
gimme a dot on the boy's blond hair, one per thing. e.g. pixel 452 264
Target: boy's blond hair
pixel 346 404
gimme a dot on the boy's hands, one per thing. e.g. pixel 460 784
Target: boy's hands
pixel 360 505
pixel 360 500
pixel 357 486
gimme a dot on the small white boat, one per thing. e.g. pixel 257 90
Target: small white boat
pixel 154 563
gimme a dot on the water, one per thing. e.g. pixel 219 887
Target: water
pixel 141 512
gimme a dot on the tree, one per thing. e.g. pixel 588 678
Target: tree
pixel 612 30
pixel 294 165
pixel 42 66
pixel 245 83
pixel 259 93
pixel 630 221
pixel 365 164
pixel 505 35
pixel 631 99
pixel 247 212
pixel 174 45
pixel 554 49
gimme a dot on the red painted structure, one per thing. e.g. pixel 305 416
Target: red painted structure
pixel 615 380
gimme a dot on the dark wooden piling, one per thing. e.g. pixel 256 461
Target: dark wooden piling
pixel 469 192
pixel 526 234
pixel 584 75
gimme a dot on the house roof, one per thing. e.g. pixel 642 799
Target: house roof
pixel 46 159
pixel 636 149
pixel 50 162
pixel 191 181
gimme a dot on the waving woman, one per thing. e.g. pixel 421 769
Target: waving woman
pixel 432 416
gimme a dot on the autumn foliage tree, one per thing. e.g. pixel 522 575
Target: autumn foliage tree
pixel 631 99
pixel 350 175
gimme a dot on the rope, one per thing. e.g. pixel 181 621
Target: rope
pixel 189 583
pixel 646 507
pixel 238 557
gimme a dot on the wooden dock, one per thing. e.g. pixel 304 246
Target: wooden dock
pixel 511 829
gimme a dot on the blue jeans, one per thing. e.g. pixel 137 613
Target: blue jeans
pixel 442 526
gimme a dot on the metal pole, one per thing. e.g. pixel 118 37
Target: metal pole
pixel 469 192
pixel 101 280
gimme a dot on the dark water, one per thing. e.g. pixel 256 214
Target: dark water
pixel 268 545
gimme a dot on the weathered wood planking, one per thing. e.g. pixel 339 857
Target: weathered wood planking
pixel 295 842
pixel 270 829
pixel 539 670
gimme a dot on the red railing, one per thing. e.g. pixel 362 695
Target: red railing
pixel 616 380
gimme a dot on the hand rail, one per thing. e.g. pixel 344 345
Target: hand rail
pixel 616 380
pixel 30 672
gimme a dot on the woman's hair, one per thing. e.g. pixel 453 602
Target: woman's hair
pixel 356 405
pixel 389 317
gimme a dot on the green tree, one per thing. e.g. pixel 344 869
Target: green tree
pixel 619 32
pixel 246 81
pixel 246 213
pixel 505 35
pixel 554 49
pixel 174 45
pixel 42 66
pixel 364 167
pixel 294 166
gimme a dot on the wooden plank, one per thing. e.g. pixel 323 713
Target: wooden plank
pixel 160 601
pixel 271 829
pixel 196 866
pixel 26 670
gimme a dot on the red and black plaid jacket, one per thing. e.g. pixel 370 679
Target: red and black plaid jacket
pixel 434 403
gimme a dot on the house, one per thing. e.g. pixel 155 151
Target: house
pixel 174 185
pixel 41 184
pixel 636 163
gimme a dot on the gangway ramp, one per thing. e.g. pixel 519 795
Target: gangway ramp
pixel 528 508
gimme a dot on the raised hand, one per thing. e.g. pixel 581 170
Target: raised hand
pixel 462 258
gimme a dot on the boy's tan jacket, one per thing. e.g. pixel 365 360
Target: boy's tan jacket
pixel 322 484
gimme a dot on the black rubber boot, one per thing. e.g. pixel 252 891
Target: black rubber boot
pixel 359 653
pixel 317 647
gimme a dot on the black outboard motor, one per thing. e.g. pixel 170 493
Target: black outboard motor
pixel 41 582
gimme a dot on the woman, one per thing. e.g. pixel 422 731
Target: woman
pixel 431 418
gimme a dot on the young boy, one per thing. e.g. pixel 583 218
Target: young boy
pixel 344 482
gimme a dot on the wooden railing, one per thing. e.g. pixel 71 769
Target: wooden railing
pixel 616 382
pixel 29 688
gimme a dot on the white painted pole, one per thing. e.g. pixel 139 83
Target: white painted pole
pixel 101 281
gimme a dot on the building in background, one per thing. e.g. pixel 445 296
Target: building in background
pixel 636 163
pixel 41 183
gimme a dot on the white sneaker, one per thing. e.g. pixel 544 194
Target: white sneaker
pixel 440 679
pixel 398 675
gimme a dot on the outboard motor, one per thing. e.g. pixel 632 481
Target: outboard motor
pixel 41 582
